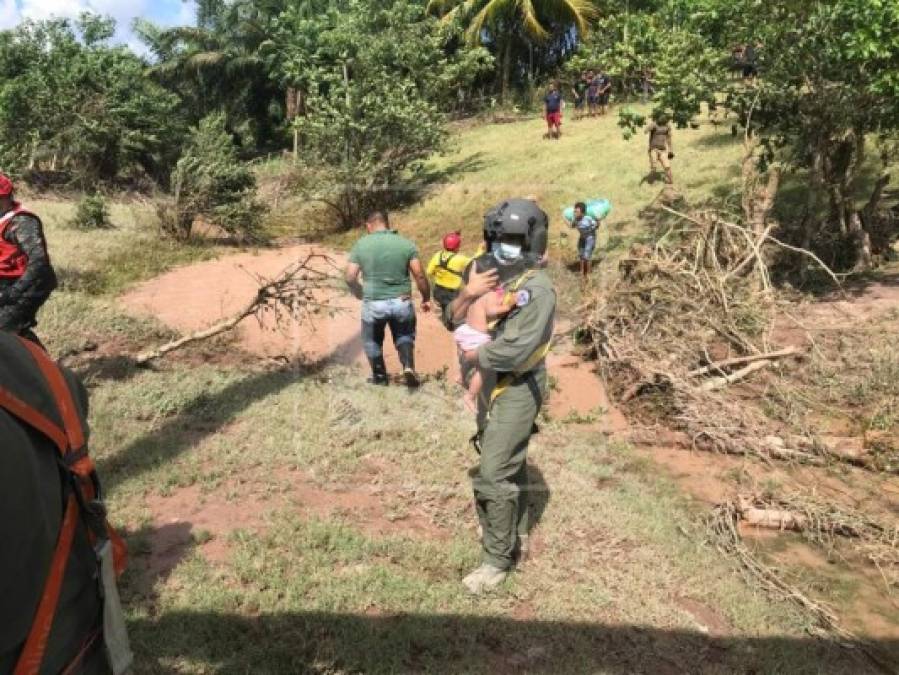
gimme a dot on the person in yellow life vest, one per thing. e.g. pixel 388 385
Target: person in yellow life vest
pixel 445 269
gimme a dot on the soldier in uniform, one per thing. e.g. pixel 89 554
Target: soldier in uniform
pixel 514 379
pixel 26 275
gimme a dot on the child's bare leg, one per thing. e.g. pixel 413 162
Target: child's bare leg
pixel 470 398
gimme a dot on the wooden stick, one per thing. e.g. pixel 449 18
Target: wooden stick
pixel 720 382
pixel 717 366
pixel 144 358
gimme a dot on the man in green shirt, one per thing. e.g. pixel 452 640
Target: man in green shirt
pixel 386 262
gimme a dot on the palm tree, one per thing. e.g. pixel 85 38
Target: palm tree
pixel 217 64
pixel 499 20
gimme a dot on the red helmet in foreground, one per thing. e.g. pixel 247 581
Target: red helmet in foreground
pixel 6 187
pixel 452 241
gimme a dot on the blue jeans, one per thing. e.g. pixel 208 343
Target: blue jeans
pixel 585 246
pixel 398 313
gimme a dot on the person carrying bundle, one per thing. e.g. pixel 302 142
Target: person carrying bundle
pixel 586 226
pixel 586 218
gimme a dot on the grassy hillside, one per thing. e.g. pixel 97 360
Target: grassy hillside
pixel 286 519
pixel 489 163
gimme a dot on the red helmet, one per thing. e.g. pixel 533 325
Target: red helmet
pixel 6 187
pixel 452 241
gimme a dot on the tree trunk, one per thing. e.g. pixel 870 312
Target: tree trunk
pixel 810 223
pixel 862 241
pixel 507 68
pixel 290 103
pixel 757 199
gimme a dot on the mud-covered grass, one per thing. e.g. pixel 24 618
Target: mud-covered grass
pixel 287 519
pixel 619 581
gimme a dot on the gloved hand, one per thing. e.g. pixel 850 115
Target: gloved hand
pixel 670 155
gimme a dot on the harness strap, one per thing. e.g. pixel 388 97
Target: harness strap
pixel 34 418
pixel 66 406
pixel 443 263
pixel 33 653
pixel 82 492
pixel 509 378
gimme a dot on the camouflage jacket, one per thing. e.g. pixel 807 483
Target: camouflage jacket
pixel 39 279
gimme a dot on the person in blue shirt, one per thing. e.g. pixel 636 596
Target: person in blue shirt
pixel 552 111
pixel 586 226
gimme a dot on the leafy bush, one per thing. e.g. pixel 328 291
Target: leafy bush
pixel 209 181
pixel 92 213
pixel 373 72
pixel 74 106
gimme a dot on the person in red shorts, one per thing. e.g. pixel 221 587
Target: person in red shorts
pixel 552 111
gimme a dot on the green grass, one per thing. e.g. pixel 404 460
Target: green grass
pixel 491 162
pixel 619 547
pixel 105 262
pixel 619 551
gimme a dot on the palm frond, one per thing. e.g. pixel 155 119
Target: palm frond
pixel 531 21
pixel 578 12
pixel 205 60
pixel 486 16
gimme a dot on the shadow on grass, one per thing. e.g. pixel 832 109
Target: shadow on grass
pixel 720 140
pixel 306 642
pixel 205 416
pixel 430 179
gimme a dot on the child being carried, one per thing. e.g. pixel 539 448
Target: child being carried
pixel 476 332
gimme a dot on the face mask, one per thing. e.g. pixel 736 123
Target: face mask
pixel 506 253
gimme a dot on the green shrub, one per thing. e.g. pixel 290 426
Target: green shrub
pixel 92 213
pixel 209 181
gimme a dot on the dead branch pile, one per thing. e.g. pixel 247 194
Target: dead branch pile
pixel 724 534
pixel 295 294
pixel 685 319
pixel 822 522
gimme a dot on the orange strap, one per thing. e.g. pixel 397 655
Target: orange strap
pixel 65 404
pixel 84 466
pixel 69 439
pixel 33 653
pixel 35 419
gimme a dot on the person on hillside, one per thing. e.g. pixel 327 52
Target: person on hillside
pixel 445 270
pixel 386 262
pixel 579 91
pixel 586 227
pixel 604 92
pixel 26 276
pixel 552 112
pixel 592 93
pixel 49 498
pixel 750 62
pixel 513 368
pixel 661 148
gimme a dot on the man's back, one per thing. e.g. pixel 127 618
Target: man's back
pixel 384 258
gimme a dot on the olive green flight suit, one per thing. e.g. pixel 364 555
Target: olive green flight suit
pixel 505 425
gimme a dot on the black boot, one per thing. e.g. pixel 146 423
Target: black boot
pixel 378 371
pixel 407 358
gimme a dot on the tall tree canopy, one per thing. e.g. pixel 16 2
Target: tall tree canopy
pixel 501 23
pixel 72 103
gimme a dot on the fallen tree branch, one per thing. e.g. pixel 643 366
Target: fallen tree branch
pixel 291 293
pixel 718 366
pixel 721 382
pixel 767 237
pixel 725 536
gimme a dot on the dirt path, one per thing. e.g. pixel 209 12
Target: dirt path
pixel 196 296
